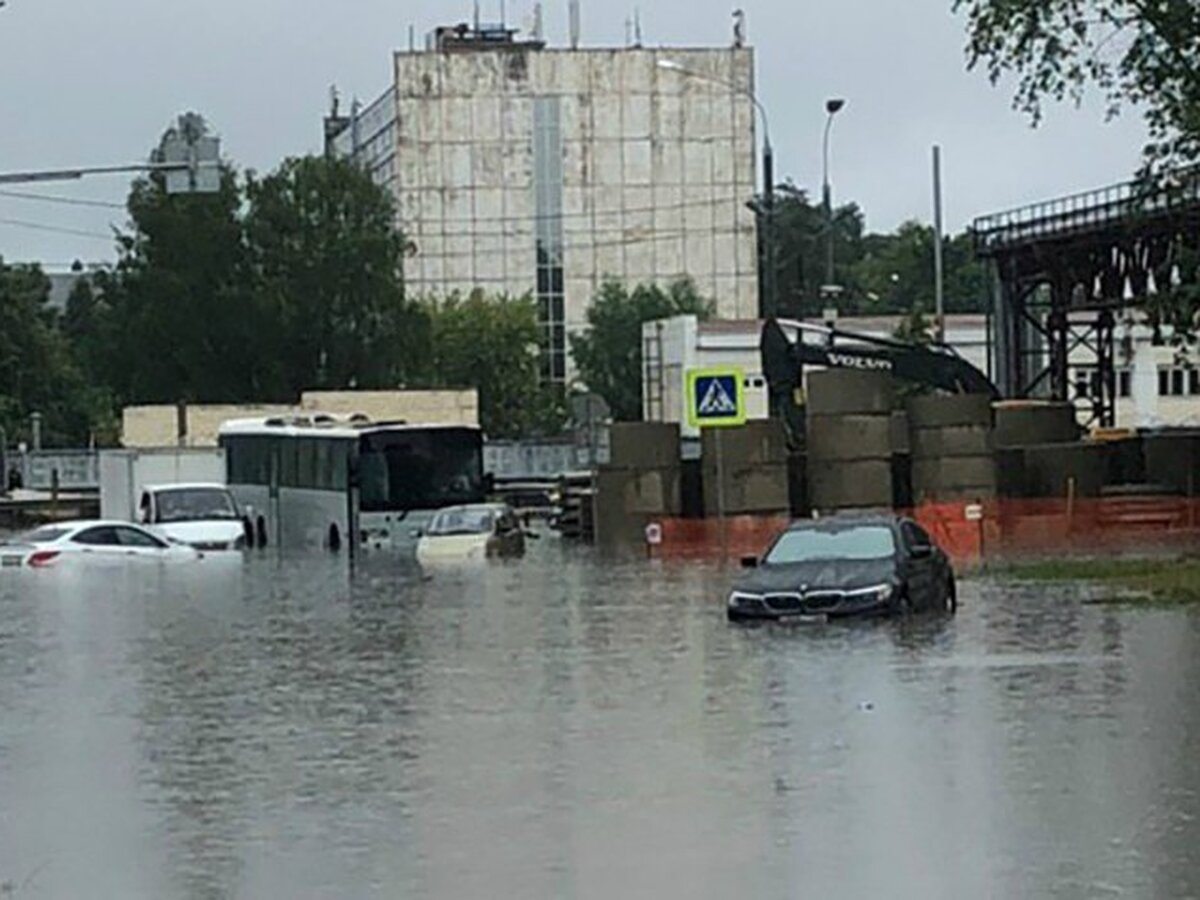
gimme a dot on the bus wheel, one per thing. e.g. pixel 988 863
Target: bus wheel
pixel 334 541
pixel 262 532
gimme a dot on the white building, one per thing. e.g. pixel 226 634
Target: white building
pixel 1157 386
pixel 524 169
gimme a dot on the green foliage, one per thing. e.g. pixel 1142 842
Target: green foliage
pixel 800 237
pixel 609 355
pixel 915 327
pixel 178 318
pixel 880 274
pixel 37 370
pixel 1136 52
pixel 491 344
pixel 1163 581
pixel 896 272
pixel 325 261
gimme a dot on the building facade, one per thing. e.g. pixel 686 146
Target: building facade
pixel 523 169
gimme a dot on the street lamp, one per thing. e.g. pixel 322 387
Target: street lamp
pixel 831 109
pixel 767 301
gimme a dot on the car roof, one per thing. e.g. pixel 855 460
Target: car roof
pixel 474 507
pixel 80 524
pixel 846 520
pixel 196 486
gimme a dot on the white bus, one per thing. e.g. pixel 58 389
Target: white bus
pixel 317 481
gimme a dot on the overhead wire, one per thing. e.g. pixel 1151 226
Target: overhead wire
pixel 66 201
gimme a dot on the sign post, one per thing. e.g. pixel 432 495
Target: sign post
pixel 716 398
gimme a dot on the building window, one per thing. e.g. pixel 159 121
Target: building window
pixel 1178 382
pixel 548 200
pixel 1124 383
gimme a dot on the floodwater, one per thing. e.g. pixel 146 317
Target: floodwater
pixel 569 727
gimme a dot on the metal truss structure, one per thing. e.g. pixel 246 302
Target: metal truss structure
pixel 1065 274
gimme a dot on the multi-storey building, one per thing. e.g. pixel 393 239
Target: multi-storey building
pixel 525 169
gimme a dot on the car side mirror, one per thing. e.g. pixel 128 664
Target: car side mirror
pixel 749 562
pixel 922 551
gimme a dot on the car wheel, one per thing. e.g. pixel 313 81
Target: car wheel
pixel 951 598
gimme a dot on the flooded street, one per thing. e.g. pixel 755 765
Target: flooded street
pixel 567 727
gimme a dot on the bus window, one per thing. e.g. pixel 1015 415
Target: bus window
pixel 420 469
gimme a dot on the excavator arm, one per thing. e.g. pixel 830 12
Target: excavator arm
pixel 785 353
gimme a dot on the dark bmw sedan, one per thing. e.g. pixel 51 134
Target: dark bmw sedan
pixel 845 567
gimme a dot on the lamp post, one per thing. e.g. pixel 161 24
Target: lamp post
pixel 767 302
pixel 831 109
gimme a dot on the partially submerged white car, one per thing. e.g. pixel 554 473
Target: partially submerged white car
pixel 92 542
pixel 474 532
pixel 203 515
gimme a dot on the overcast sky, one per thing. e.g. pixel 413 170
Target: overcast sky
pixel 96 82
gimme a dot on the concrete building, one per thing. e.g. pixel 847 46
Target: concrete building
pixel 526 169
pixel 1158 385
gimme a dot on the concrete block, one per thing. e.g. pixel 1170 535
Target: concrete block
pixel 953 440
pixel 755 443
pixel 644 444
pixel 762 488
pixel 627 499
pixel 850 437
pixel 850 485
pixel 1028 424
pixel 846 391
pixel 932 478
pixel 1048 468
pixel 1173 460
pixel 943 410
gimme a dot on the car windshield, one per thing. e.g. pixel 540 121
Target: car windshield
pixel 195 505
pixel 462 521
pixel 859 542
pixel 46 535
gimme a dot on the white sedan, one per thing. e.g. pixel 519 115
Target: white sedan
pixel 67 543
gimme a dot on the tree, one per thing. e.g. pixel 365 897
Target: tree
pixel 326 261
pixel 1141 52
pixel 609 355
pixel 896 272
pixel 799 237
pixel 491 344
pixel 37 372
pixel 180 318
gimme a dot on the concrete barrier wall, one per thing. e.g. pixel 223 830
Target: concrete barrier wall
pixel 754 469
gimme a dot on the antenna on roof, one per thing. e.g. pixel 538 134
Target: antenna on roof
pixel 333 101
pixel 537 22
pixel 575 26
pixel 637 27
pixel 739 28
pixel 412 38
pixel 476 17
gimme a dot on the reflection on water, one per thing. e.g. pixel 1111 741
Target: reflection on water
pixel 572 727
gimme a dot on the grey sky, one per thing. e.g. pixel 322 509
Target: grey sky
pixel 96 83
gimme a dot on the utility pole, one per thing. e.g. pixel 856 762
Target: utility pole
pixel 938 264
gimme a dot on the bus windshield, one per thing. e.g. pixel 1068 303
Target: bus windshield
pixel 420 469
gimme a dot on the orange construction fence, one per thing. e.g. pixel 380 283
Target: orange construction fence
pixel 974 532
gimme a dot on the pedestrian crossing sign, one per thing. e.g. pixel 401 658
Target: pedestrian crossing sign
pixel 716 398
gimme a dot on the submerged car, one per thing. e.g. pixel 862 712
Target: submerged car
pixel 203 515
pixel 477 531
pixel 852 566
pixel 91 542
